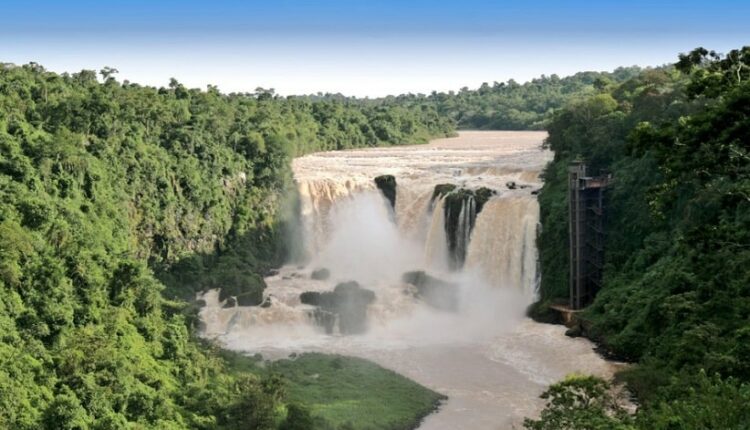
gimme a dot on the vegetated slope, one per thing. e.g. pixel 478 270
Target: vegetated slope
pixel 103 183
pixel 676 295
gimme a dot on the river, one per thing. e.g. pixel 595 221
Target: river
pixel 490 359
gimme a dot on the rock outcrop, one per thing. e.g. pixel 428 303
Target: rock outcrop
pixel 433 291
pixel 387 185
pixel 346 304
pixel 461 208
pixel 320 274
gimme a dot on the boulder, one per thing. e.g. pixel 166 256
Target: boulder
pixel 249 286
pixel 351 302
pixel 433 291
pixel 310 298
pixel 249 299
pixel 347 303
pixel 575 331
pixel 320 274
pixel 230 303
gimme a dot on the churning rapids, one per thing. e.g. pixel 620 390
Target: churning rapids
pixel 456 324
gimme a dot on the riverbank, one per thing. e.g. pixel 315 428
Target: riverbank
pixel 342 392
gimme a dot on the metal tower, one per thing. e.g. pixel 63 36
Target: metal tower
pixel 586 204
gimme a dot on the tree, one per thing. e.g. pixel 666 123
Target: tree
pixel 107 72
pixel 298 418
pixel 581 403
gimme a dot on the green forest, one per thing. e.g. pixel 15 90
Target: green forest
pixel 676 291
pixel 117 203
pixel 504 105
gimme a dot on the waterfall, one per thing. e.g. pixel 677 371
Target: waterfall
pixel 472 343
pixel 436 244
pixel 433 214
pixel 317 199
pixel 498 242
pixel 502 246
pixel 466 219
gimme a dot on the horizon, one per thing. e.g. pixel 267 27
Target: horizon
pixel 360 49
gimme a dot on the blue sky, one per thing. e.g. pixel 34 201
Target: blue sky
pixel 364 48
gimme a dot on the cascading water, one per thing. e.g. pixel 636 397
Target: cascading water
pixel 466 218
pixel 436 244
pixel 502 245
pixel 441 278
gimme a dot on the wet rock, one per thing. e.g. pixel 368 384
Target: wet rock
pixel 200 303
pixel 320 274
pixel 387 185
pixel 310 298
pixel 352 301
pixel 511 185
pixel 433 291
pixel 230 303
pixel 574 331
pixel 249 299
pixel 247 288
pixel 325 319
pixel 535 192
pixel 347 304
pixel 482 196
pixel 267 302
pixel 441 190
pixel 461 207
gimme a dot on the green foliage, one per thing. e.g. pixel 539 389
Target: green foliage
pixel 677 269
pixel 580 403
pixel 298 418
pixel 699 402
pixel 343 392
pixel 104 184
